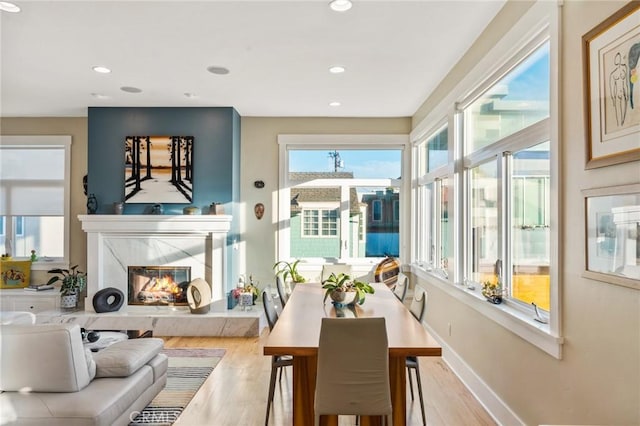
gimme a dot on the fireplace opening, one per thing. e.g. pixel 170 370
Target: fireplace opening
pixel 158 285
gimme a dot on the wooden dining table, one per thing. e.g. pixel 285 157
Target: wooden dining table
pixel 297 333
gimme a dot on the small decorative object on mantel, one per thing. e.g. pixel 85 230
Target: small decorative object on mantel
pixel 92 204
pixel 190 210
pixel 492 291
pixel 157 209
pixel 216 208
pixel 118 207
pixel 345 291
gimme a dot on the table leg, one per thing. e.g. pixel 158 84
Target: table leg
pixel 304 386
pixel 398 382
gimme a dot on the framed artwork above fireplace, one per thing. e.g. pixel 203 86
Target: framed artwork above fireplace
pixel 158 169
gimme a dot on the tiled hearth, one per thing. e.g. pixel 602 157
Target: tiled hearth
pixel 115 242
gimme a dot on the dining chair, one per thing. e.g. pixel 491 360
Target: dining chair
pixel 353 373
pixel 278 362
pixel 417 309
pixel 327 270
pixel 400 289
pixel 282 293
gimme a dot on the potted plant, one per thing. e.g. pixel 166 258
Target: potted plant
pixel 492 291
pixel 343 290
pixel 289 270
pixel 73 282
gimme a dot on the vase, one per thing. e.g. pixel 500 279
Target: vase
pixel 343 297
pixel 68 301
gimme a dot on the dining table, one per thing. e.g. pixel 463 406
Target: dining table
pixel 297 334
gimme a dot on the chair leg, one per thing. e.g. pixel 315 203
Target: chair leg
pixel 272 387
pixel 410 382
pixel 424 420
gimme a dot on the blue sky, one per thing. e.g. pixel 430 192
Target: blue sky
pixel 363 163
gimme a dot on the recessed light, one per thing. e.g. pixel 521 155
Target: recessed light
pixel 218 70
pixel 9 7
pixel 336 69
pixel 99 96
pixel 340 5
pixel 130 89
pixel 101 70
pixel 334 104
pixel 190 95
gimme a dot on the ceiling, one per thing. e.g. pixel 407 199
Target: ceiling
pixel 277 52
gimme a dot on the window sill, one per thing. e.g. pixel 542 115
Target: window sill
pixel 515 320
pixel 45 265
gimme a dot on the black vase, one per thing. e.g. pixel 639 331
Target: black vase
pixel 92 204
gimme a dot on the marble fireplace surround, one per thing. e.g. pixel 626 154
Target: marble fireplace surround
pixel 115 242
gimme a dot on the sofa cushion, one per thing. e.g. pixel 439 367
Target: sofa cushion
pixel 43 358
pixel 125 358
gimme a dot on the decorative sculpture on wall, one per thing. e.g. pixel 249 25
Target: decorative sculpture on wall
pixel 258 209
pixel 158 169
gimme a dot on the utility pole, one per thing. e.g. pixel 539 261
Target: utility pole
pixel 337 161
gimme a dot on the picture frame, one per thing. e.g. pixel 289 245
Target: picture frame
pixel 612 225
pixel 15 273
pixel 612 88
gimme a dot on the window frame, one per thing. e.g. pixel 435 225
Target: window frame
pixel 330 142
pixel 541 22
pixel 47 141
pixel 320 211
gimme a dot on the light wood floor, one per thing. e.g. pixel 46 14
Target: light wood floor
pixel 235 394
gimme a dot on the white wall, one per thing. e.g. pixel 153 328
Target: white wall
pixel 598 379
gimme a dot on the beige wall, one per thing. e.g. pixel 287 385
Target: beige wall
pixel 259 161
pixel 598 379
pixel 77 128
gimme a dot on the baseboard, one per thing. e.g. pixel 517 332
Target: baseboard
pixel 491 402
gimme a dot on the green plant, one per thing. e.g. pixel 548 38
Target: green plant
pixel 289 269
pixel 73 280
pixel 343 282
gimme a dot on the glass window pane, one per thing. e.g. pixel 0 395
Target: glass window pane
pixel 446 226
pixel 42 234
pixel 429 206
pixel 438 150
pixel 355 163
pixel 484 221
pixel 382 237
pixel 518 100
pixel 530 237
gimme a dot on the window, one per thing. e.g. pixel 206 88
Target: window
pixel 320 223
pixel 484 183
pixel 340 198
pixel 34 187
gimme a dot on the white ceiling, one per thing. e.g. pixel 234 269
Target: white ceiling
pixel 278 53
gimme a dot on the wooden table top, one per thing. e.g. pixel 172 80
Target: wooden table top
pixel 297 331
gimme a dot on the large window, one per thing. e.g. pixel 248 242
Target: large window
pixel 34 186
pixel 485 190
pixel 339 199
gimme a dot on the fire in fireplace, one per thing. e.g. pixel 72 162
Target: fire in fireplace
pixel 158 285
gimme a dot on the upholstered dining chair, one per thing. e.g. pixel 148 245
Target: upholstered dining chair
pixel 353 373
pixel 327 270
pixel 400 289
pixel 277 362
pixel 282 293
pixel 417 309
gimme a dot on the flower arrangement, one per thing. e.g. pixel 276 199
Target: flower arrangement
pixel 342 289
pixel 492 290
pixel 249 288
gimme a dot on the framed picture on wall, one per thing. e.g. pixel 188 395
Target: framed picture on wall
pixel 612 88
pixel 158 169
pixel 613 235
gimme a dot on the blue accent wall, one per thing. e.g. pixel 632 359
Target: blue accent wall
pixel 216 152
pixel 216 159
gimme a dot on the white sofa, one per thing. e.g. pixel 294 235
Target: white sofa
pixel 47 377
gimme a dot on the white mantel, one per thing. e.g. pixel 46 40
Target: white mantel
pixel 115 242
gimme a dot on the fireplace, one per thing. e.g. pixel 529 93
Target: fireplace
pixel 158 285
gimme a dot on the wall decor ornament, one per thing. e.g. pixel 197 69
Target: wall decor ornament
pixel 158 169
pixel 258 210
pixel 611 54
pixel 92 204
pixel 612 217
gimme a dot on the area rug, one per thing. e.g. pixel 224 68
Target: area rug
pixel 187 371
